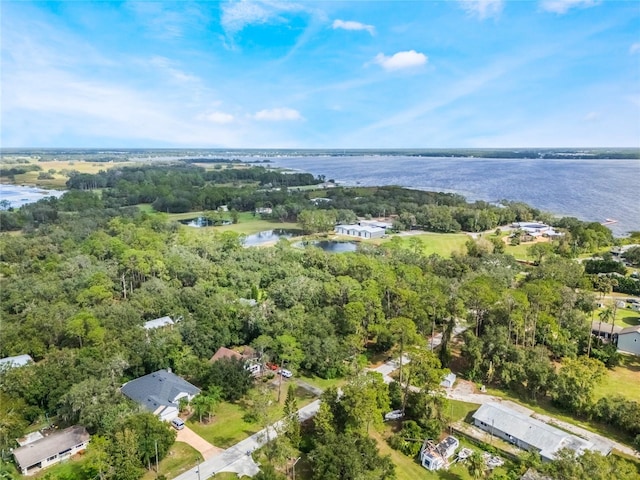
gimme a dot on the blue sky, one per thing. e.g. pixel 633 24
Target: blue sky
pixel 287 74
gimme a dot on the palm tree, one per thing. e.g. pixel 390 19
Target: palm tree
pixel 605 316
pixel 476 466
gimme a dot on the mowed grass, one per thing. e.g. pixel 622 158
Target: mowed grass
pixel 622 380
pixel 230 424
pixel 429 243
pixel 179 459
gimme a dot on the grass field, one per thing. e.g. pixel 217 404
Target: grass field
pixel 59 180
pixel 180 458
pixel 229 425
pixel 622 380
pixel 443 244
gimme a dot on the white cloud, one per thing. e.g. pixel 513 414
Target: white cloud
pixel 351 25
pixel 278 114
pixel 401 60
pixel 217 117
pixel 591 116
pixel 237 15
pixel 482 8
pixel 563 6
pixel 634 48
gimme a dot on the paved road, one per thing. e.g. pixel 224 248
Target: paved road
pixel 238 457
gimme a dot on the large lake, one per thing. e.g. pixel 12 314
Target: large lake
pixel 592 190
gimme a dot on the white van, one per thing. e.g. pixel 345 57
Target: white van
pixel 177 423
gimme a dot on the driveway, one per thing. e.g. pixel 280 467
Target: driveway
pixel 190 437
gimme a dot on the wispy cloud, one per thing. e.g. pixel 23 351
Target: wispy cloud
pixel 482 8
pixel 401 60
pixel 237 15
pixel 351 25
pixel 634 48
pixel 217 117
pixel 563 6
pixel 278 114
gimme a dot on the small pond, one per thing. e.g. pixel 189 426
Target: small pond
pixel 331 246
pixel 267 236
pixel 200 222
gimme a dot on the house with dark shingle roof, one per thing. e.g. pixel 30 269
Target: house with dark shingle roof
pixel 51 449
pixel 160 393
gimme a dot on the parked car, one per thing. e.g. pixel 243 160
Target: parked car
pixel 285 373
pixel 177 423
pixel 272 366
pixel 394 415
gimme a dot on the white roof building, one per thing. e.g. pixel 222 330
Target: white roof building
pixel 158 323
pixel 17 361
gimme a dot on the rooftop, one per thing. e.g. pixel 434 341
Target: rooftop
pixel 538 434
pixel 50 445
pixel 158 322
pixel 158 389
pixel 17 361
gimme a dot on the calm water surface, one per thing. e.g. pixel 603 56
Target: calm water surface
pixel 591 190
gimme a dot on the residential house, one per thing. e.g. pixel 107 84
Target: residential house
pixel 246 354
pixel 17 361
pixel 160 393
pixel 434 457
pixel 603 330
pixel 535 229
pixel 54 448
pixel 629 340
pixel 528 433
pixel 158 323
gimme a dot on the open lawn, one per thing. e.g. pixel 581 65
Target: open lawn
pixel 622 380
pixel 230 423
pixel 519 252
pixel 180 458
pixel 443 244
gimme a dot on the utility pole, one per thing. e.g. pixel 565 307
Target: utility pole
pixel 157 467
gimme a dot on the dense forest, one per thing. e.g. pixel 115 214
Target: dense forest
pixel 87 270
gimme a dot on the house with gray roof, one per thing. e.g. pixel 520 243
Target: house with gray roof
pixel 528 433
pixel 160 393
pixel 629 340
pixel 17 361
pixel 51 449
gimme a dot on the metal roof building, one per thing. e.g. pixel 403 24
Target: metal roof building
pixel 528 433
pixel 158 323
pixel 17 361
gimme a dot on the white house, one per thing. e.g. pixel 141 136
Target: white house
pixel 434 457
pixel 360 231
pixel 160 393
pixel 51 449
pixel 528 433
pixel 629 340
